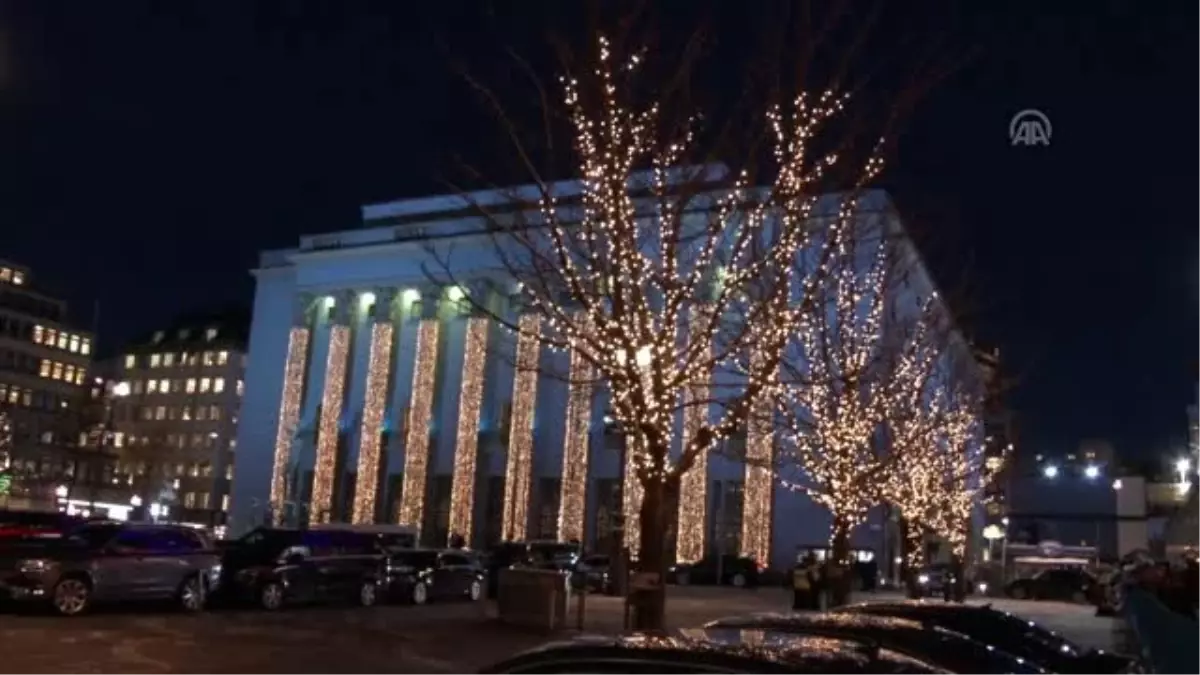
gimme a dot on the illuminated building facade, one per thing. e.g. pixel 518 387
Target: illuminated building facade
pixel 373 395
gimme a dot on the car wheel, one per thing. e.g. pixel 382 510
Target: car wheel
pixel 420 593
pixel 1018 593
pixel 191 595
pixel 475 592
pixel 683 578
pixel 270 596
pixel 72 596
pixel 368 594
pixel 738 580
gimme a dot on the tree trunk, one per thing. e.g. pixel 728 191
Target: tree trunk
pixel 649 604
pixel 908 571
pixel 838 574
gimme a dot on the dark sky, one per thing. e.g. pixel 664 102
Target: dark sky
pixel 151 149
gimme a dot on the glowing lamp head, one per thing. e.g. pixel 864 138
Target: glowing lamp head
pixel 1117 484
pixel 410 295
pixel 455 293
pixel 328 301
pixel 62 491
pixel 1092 471
pixel 1050 471
pixel 366 299
pixel 1183 465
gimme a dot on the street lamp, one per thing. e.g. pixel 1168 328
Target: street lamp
pixel 1092 471
pixel 1117 484
pixel 135 501
pixel 1050 471
pixel 62 491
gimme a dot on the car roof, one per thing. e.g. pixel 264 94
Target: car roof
pixel 733 650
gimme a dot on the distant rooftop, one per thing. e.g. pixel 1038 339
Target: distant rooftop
pixel 227 328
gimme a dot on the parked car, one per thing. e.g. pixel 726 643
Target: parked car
pixel 933 579
pixel 710 651
pixel 421 575
pixel 944 649
pixel 112 562
pixel 732 570
pixel 1068 583
pixel 594 572
pixel 1006 632
pixel 16 526
pixel 274 567
pixel 538 554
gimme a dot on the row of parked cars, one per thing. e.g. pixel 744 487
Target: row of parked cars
pixel 71 566
pixel 892 637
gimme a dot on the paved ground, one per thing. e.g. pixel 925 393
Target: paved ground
pixel 452 637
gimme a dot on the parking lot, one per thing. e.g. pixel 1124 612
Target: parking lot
pixel 450 637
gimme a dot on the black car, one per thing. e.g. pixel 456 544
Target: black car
pixel 1069 583
pixel 595 573
pixel 421 575
pixel 18 526
pixel 274 567
pixel 111 562
pixel 731 570
pixel 710 651
pixel 1006 632
pixel 539 554
pixel 945 649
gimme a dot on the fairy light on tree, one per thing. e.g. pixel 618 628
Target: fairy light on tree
pixel 618 263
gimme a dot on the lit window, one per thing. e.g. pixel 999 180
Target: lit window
pixel 56 370
pixel 218 385
pixel 202 500
pixel 201 412
pixel 164 386
pixel 210 334
pixel 18 277
pixel 151 386
pixel 46 437
pixel 194 470
pixel 62 340
pixel 44 371
pixel 209 358
pixel 240 387
pixel 160 412
pixel 204 384
pixel 214 412
pixel 69 373
pixel 73 343
pixel 155 360
pixel 197 441
pixel 224 502
pixel 5 274
pixel 169 359
pixel 190 387
pixel 180 469
pixel 51 337
pixel 233 441
pixel 118 439
pixel 85 346
pixel 229 471
pixel 79 376
pixel 172 412
pixel 189 500
pixel 39 334
pixel 187 413
pixel 205 469
pixel 137 386
pixel 191 359
pixel 130 361
pixel 222 358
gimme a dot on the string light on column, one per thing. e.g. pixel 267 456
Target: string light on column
pixel 519 470
pixel 470 397
pixel 416 441
pixel 758 494
pixel 328 433
pixel 631 494
pixel 573 500
pixel 289 411
pixel 693 484
pixel 379 367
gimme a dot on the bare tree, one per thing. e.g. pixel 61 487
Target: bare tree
pixel 659 273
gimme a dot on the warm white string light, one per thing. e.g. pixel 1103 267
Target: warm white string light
pixel 572 503
pixel 758 492
pixel 632 494
pixel 289 415
pixel 519 465
pixel 466 448
pixel 416 441
pixel 328 431
pixel 692 518
pixel 370 435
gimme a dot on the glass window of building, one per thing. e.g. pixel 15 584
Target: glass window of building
pixel 205 469
pixel 218 384
pixel 85 346
pixel 241 386
pixel 214 412
pixel 118 439
pixel 224 502
pixel 189 500
pixel 73 343
pixel 39 333
pixel 160 412
pixel 151 386
pixel 197 440
pixel 79 376
pixel 209 359
pixel 51 337
pixel 187 413
pixel 205 383
pixel 44 370
pixel 168 359
pixel 202 500
pixel 222 358
pixel 155 360
pixel 137 387
pixel 191 385
pixel 229 471
pixel 69 372
pixel 164 386
pixel 131 361
pixel 56 371
pixel 62 340
pixel 201 412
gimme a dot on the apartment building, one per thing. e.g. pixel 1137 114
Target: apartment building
pixel 44 361
pixel 176 399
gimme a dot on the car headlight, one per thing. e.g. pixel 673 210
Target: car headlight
pixel 923 579
pixel 983 587
pixel 35 566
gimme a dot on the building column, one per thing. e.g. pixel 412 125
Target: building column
pixel 572 502
pixel 470 400
pixel 518 472
pixel 291 400
pixel 420 412
pixel 759 493
pixel 692 523
pixel 333 399
pixel 378 391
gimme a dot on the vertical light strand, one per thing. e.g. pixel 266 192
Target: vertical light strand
pixel 518 471
pixel 693 485
pixel 416 439
pixel 572 502
pixel 289 415
pixel 328 432
pixel 631 495
pixel 758 490
pixel 379 367
pixel 466 446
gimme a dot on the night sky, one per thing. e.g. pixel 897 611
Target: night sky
pixel 151 149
